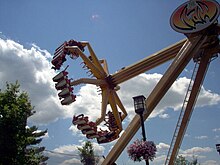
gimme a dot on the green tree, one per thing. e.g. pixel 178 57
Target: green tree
pixel 180 160
pixel 87 154
pixel 194 161
pixel 17 141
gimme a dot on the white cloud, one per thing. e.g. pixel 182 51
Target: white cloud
pixel 162 147
pixel 68 154
pixel 87 102
pixel 46 136
pixel 187 135
pixel 67 149
pixel 31 68
pixel 216 129
pixel 196 151
pixel 144 84
pixel 72 149
pixel 207 97
pixel 71 161
pixel 75 131
pixel 98 149
pixel 159 160
pixel 161 154
pixel 43 52
pixel 95 17
pixel 201 137
pixel 164 116
pixel 217 138
pixel 210 162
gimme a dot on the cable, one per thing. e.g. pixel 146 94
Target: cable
pixel 60 153
pixel 66 154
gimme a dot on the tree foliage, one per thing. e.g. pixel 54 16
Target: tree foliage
pixel 87 154
pixel 181 160
pixel 17 141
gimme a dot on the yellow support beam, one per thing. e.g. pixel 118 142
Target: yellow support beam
pixel 94 58
pixel 94 69
pixel 203 66
pixel 148 63
pixel 185 54
pixel 99 82
pixel 114 107
pixel 105 96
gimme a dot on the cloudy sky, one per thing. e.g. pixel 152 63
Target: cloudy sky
pixel 122 32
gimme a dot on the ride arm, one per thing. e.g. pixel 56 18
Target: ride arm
pixel 98 82
pixel 105 66
pixel 113 104
pixel 120 105
pixel 93 56
pixel 94 69
pixel 105 95
pixel 147 63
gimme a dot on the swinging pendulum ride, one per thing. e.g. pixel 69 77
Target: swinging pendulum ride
pixel 197 19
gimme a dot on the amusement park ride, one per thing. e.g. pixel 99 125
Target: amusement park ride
pixel 197 19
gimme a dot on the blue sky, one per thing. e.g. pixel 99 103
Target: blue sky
pixel 122 32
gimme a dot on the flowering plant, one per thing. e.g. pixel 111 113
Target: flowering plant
pixel 140 150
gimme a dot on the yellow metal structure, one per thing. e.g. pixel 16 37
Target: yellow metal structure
pixel 188 50
pixel 109 83
pixel 181 53
pixel 200 47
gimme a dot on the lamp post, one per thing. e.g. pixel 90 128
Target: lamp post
pixel 140 107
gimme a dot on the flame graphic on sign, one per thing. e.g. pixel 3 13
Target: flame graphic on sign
pixel 194 16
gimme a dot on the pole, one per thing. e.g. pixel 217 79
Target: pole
pixel 143 133
pixel 143 129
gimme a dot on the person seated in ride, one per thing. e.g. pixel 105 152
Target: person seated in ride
pixel 91 130
pixel 110 121
pixel 80 119
pixel 108 137
pixel 88 125
pixel 112 135
pixel 92 136
pixel 58 61
pixel 102 133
